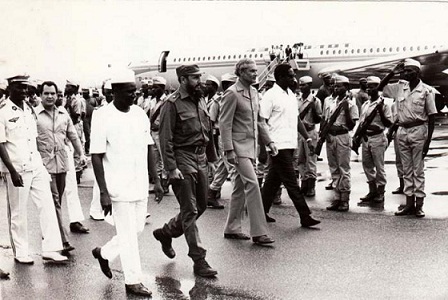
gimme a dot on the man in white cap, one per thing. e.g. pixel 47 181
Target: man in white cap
pixel 415 116
pixel 26 177
pixel 122 156
pixel 344 113
pixel 211 97
pixel 223 168
pixel 159 96
pixel 144 101
pixel 279 108
pixel 310 112
pixel 375 117
pixel 324 90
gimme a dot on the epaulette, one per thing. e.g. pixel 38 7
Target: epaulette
pixel 173 97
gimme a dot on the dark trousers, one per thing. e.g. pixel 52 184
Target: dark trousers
pixel 57 190
pixel 191 193
pixel 281 170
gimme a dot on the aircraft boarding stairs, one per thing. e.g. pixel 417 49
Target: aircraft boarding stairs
pixel 296 64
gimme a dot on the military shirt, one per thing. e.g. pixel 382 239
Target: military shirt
pixel 340 120
pixel 53 131
pixel 415 105
pixel 18 131
pixel 367 108
pixel 308 120
pixel 183 122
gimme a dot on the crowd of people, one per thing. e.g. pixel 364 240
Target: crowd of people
pixel 194 139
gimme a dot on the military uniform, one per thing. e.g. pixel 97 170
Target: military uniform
pixel 307 164
pixel 413 108
pixel 184 134
pixel 374 144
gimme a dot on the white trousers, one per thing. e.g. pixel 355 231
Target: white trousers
pixel 36 187
pixel 129 218
pixel 95 204
pixel 74 208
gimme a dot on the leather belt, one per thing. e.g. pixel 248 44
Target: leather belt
pixel 372 133
pixel 412 124
pixel 192 149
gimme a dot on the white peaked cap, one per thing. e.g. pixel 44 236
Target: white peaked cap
pixel 341 79
pixel 373 79
pixel 305 79
pixel 122 76
pixel 408 62
pixel 107 84
pixel 159 80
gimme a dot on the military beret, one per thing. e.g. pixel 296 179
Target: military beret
pixel 363 80
pixel 123 76
pixel 23 78
pixel 186 70
pixel 325 75
pixel 229 77
pixel 341 79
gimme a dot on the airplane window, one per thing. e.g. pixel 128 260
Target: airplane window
pixel 404 48
pixel 194 58
pixel 250 55
pixel 398 49
pixel 256 55
pixel 229 57
pixel 185 58
pixel 390 49
pixel 337 45
pixel 208 58
pixel 365 50
pixel 346 45
pixel 321 52
pixel 353 51
pixel 418 48
pixel 327 52
pixel 377 49
pixel 239 56
pixel 174 60
pixel 244 55
pixel 322 46
pixel 412 48
pixel 371 50
pixel 384 49
pixel 339 52
pixel 188 59
pixel 357 51
pixel 346 51
pixel 334 51
pixel 261 54
pixel 213 57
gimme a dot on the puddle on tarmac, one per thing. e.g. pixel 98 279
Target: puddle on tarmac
pixel 199 289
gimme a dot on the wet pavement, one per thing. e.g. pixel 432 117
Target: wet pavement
pixel 367 253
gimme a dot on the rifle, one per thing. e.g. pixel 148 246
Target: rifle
pixel 325 128
pixel 362 129
pixel 391 132
pixel 305 111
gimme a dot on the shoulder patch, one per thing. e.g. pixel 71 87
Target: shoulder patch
pixel 3 104
pixel 173 97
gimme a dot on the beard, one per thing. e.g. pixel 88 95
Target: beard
pixel 194 92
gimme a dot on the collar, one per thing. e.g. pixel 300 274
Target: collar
pixel 183 94
pixel 418 88
pixel 245 91
pixel 40 108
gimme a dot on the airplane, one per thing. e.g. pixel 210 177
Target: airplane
pixel 351 60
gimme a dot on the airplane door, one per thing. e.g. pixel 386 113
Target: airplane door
pixel 162 61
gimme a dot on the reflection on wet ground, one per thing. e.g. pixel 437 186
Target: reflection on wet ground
pixel 199 289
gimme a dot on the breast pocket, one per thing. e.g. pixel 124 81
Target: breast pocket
pixel 13 129
pixel 188 122
pixel 418 105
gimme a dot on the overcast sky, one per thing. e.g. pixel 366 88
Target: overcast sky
pixel 77 39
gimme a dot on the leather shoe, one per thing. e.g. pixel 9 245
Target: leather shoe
pixel 214 204
pixel 203 269
pixel 67 249
pixel 269 219
pixel 262 240
pixel 104 263
pixel 236 236
pixel 26 260
pixel 308 221
pixel 406 211
pixel 3 274
pixel 166 243
pixel 138 289
pixel 54 256
pixel 77 227
pixel 334 205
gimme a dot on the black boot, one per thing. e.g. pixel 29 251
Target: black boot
pixel 311 190
pixel 371 195
pixel 399 190
pixel 380 194
pixel 212 202
pixel 165 184
pixel 419 213
pixel 304 186
pixel 409 209
pixel 336 201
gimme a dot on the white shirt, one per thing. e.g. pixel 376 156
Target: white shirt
pixel 280 108
pixel 18 130
pixel 124 139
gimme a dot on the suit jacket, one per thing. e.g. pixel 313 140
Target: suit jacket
pixel 239 122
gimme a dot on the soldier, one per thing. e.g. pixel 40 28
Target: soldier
pixel 310 112
pixel 415 115
pixel 344 113
pixel 184 136
pixel 240 127
pixel 211 96
pixel 158 92
pixel 361 95
pixel 223 168
pixel 375 117
pixel 26 177
pixel 279 108
pixel 324 90
pixel 144 100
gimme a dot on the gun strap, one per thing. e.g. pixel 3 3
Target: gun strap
pixel 305 111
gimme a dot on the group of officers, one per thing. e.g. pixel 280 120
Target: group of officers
pixel 178 139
